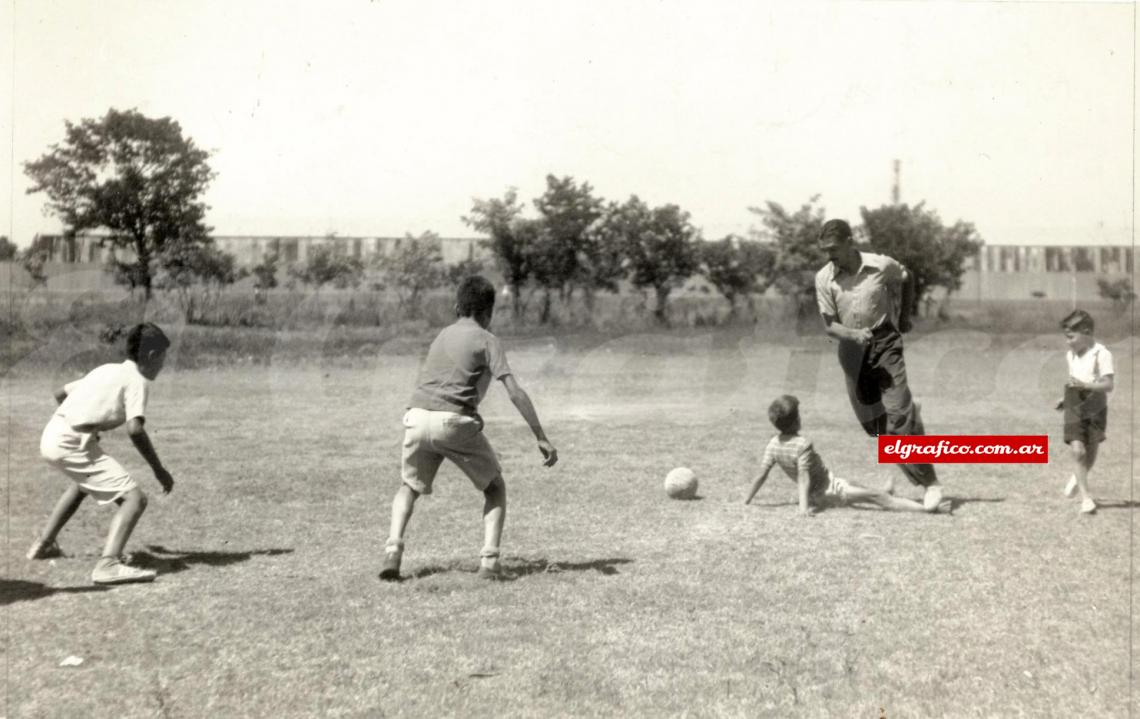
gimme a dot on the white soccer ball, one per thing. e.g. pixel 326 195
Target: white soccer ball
pixel 681 483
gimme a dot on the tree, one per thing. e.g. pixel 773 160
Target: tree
pixel 265 273
pixel 1119 292
pixel 196 274
pixel 567 210
pixel 136 176
pixel 737 267
pixel 323 265
pixel 509 238
pixel 8 249
pixel 915 236
pixel 658 244
pixel 414 267
pixel 461 270
pixel 795 239
pixel 32 261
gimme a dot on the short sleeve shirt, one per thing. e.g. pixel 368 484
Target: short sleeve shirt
pixel 865 299
pixel 795 454
pixel 1094 364
pixel 459 367
pixel 106 397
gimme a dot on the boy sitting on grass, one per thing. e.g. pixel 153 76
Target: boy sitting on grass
pixel 818 487
pixel 1085 402
pixel 442 422
pixel 105 398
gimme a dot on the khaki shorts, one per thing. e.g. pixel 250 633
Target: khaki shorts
pixel 79 456
pixel 430 436
pixel 834 491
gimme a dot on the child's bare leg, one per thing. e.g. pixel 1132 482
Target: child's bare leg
pixel 1083 458
pixel 855 493
pixel 494 514
pixel 68 502
pixel 402 505
pixel 131 507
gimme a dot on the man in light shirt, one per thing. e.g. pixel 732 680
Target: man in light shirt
pixel 865 302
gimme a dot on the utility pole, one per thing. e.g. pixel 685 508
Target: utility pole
pixel 895 187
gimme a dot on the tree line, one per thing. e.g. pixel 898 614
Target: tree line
pixel 142 180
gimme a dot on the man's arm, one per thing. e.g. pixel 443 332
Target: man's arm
pixel 906 302
pixel 522 403
pixel 141 440
pixel 835 330
pixel 1104 384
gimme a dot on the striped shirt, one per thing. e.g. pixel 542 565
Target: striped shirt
pixel 795 454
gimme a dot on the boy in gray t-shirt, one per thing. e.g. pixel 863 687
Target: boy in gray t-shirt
pixel 442 422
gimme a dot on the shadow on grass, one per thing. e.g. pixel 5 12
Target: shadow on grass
pixel 172 561
pixel 16 590
pixel 1117 504
pixel 956 502
pixel 518 568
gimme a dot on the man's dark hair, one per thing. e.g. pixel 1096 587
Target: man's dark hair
pixel 784 413
pixel 475 296
pixel 145 338
pixel 1078 321
pixel 837 229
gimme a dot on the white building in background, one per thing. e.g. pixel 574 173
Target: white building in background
pixel 1007 272
pixel 250 250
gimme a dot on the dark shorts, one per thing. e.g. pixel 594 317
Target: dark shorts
pixel 1086 416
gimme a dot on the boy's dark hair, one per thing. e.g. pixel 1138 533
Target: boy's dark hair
pixel 784 413
pixel 474 296
pixel 1078 321
pixel 146 337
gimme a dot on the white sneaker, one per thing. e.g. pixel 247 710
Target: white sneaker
pixel 113 571
pixel 1088 506
pixel 1071 487
pixel 932 498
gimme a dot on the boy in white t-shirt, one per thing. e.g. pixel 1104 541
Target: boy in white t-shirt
pixel 1086 401
pixel 107 397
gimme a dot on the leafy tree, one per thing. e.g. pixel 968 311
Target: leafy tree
pixel 567 252
pixel 460 270
pixel 8 249
pixel 1119 292
pixel 737 267
pixel 323 265
pixel 413 268
pixel 265 273
pixel 509 238
pixel 915 236
pixel 32 261
pixel 659 244
pixel 196 274
pixel 794 237
pixel 135 176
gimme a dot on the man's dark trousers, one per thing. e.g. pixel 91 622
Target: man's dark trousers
pixel 877 388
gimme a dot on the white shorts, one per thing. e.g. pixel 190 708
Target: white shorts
pixel 430 436
pixel 79 456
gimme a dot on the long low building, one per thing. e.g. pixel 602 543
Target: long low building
pixel 997 272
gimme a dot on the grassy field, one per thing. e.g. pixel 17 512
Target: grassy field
pixel 622 602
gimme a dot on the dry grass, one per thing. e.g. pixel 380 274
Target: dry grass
pixel 622 602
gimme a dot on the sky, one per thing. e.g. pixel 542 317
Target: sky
pixel 383 117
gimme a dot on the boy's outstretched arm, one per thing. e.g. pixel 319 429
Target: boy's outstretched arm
pixel 803 485
pixel 522 403
pixel 141 440
pixel 756 485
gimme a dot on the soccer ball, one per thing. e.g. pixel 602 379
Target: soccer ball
pixel 681 483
